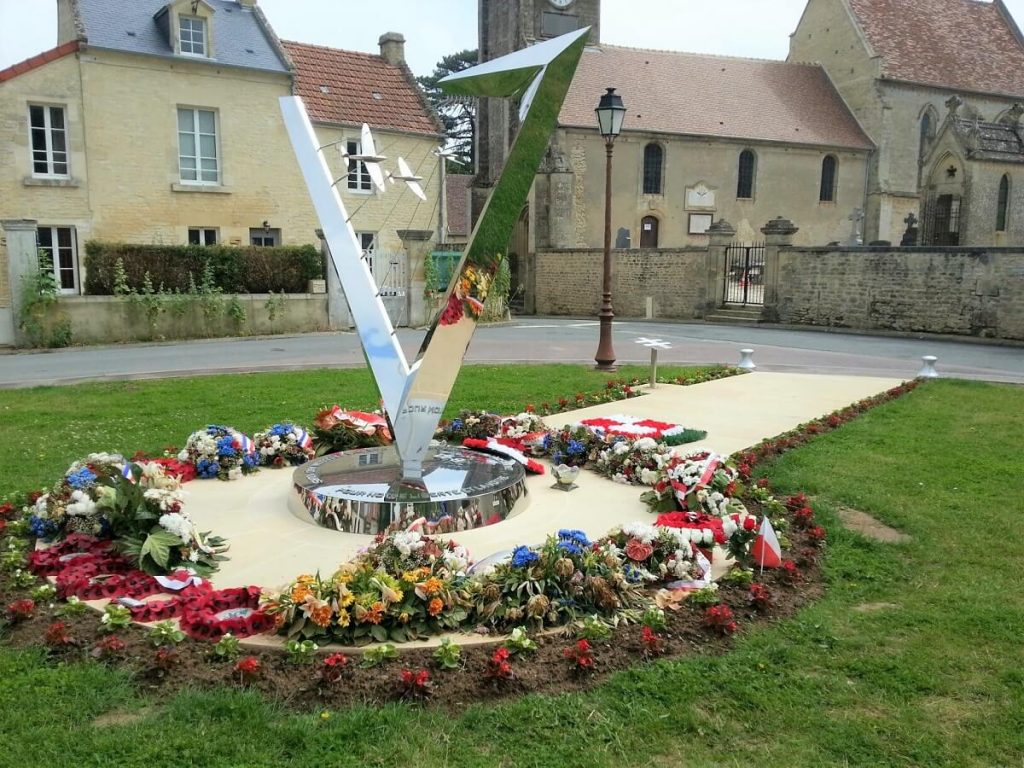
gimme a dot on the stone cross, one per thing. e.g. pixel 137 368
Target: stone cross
pixel 910 236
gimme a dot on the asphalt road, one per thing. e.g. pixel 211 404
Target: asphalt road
pixel 527 340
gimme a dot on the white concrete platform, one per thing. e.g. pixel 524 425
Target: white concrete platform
pixel 270 546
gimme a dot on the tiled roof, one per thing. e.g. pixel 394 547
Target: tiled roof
pixel 457 196
pixel 353 88
pixel 38 60
pixel 990 141
pixel 239 37
pixel 702 95
pixel 957 44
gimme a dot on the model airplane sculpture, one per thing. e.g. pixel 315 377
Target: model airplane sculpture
pixel 411 180
pixel 368 156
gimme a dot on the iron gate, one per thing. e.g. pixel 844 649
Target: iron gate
pixel 389 270
pixel 744 274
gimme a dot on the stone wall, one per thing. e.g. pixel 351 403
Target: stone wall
pixel 111 319
pixel 569 282
pixel 964 291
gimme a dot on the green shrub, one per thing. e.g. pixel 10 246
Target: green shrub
pixel 234 270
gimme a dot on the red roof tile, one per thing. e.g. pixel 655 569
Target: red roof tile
pixel 38 60
pixel 957 44
pixel 703 95
pixel 353 88
pixel 457 196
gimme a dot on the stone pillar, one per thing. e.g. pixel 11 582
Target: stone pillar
pixel 721 235
pixel 778 235
pixel 22 261
pixel 418 244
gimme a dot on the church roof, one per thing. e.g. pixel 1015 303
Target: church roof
pixel 963 45
pixel 998 142
pixel 704 95
pixel 352 88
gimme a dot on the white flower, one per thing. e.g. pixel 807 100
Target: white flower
pixel 81 504
pixel 183 454
pixel 645 444
pixel 166 500
pixel 178 524
pixel 235 473
pixel 642 531
pixel 408 542
pixel 729 527
pixel 648 476
pixel 41 504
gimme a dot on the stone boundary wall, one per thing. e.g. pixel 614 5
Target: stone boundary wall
pixel 964 291
pixel 568 282
pixel 111 319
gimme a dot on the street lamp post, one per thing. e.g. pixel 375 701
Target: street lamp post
pixel 610 114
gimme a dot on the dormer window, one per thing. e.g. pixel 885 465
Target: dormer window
pixel 192 35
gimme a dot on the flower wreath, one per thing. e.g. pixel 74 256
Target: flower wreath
pixel 506 448
pixel 633 427
pixel 213 614
pixel 219 451
pixel 283 443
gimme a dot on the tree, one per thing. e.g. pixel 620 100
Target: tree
pixel 457 113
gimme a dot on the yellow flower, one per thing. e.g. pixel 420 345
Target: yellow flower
pixel 403 618
pixel 345 596
pixel 306 579
pixel 343 618
pixel 390 594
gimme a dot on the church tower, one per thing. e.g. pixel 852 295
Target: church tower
pixel 506 26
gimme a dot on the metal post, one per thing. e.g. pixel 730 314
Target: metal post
pixel 605 357
pixel 654 368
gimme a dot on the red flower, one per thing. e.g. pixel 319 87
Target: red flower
pixel 109 647
pixel 760 597
pixel 414 685
pixel 638 550
pixel 334 667
pixel 21 610
pixel 720 619
pixel 6 509
pixel 248 669
pixel 763 482
pixel 498 666
pixel 789 572
pixel 803 517
pixel 817 534
pixel 834 420
pixel 581 655
pixel 166 658
pixel 562 402
pixel 34 496
pixel 529 408
pixel 651 641
pixel 750 523
pixel 58 635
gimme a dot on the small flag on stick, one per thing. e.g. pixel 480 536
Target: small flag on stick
pixel 766 550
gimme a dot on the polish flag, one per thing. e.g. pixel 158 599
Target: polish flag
pixel 766 550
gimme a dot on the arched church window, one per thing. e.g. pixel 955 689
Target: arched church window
pixel 1003 204
pixel 829 178
pixel 747 169
pixel 654 157
pixel 927 126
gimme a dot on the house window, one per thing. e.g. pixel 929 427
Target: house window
pixel 829 176
pixel 197 146
pixel 265 237
pixel 368 244
pixel 1003 204
pixel 192 35
pixel 49 133
pixel 358 176
pixel 653 159
pixel 202 236
pixel 59 245
pixel 745 186
pixel 649 232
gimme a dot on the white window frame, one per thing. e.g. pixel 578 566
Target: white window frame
pixel 204 37
pixel 359 181
pixel 203 231
pixel 54 230
pixel 273 234
pixel 368 245
pixel 197 136
pixel 48 131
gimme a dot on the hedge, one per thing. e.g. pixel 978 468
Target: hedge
pixel 235 270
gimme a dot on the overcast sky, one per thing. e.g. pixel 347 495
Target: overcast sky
pixel 434 28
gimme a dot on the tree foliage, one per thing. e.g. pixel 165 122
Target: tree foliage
pixel 458 114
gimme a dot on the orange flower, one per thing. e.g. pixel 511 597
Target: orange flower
pixel 372 616
pixel 318 611
pixel 435 606
pixel 432 586
pixel 300 592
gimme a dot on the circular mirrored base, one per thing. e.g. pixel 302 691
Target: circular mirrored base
pixel 362 492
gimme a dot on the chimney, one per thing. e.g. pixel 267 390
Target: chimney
pixel 392 48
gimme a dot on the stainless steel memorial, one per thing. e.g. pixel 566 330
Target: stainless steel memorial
pixel 415 480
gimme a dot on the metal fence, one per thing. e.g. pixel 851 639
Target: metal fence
pixel 744 274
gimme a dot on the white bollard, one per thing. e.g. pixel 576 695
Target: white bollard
pixel 745 362
pixel 928 369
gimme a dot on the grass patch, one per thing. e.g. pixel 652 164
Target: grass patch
pixel 932 677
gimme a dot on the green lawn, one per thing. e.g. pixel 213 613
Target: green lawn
pixel 913 658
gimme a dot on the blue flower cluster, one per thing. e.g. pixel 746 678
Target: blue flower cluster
pixel 226 447
pixel 281 430
pixel 523 556
pixel 456 424
pixel 576 448
pixel 633 574
pixel 207 469
pixel 83 478
pixel 40 528
pixel 250 460
pixel 573 542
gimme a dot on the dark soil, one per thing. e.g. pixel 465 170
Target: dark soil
pixel 544 671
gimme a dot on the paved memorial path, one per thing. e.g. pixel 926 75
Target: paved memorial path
pixel 529 339
pixel 270 545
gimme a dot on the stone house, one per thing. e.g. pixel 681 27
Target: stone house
pixel 896 64
pixel 158 122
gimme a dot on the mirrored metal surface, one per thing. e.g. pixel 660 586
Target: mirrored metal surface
pixel 361 492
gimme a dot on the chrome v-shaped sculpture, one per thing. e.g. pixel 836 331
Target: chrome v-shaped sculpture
pixel 415 395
